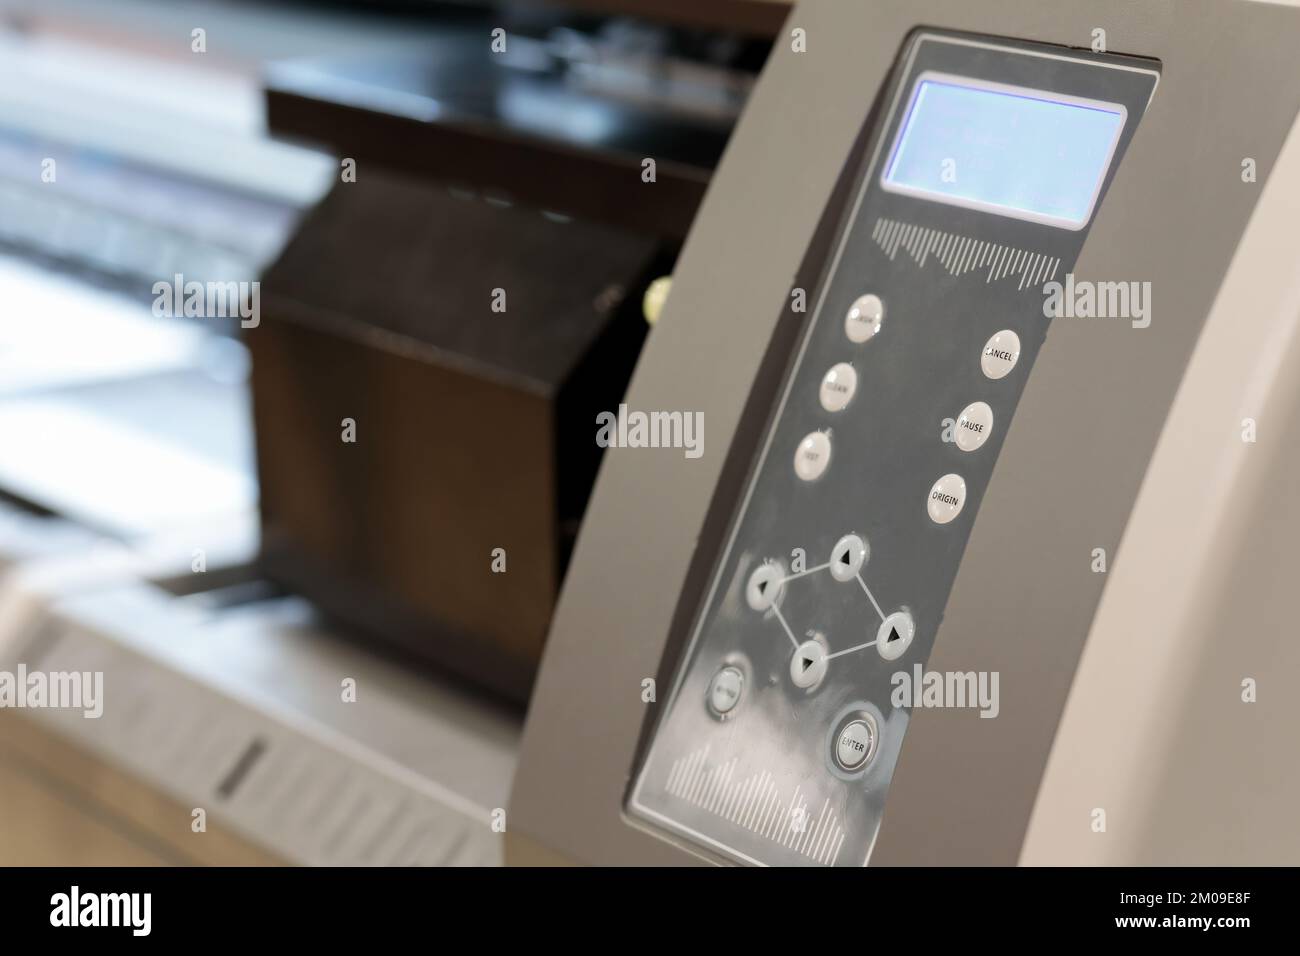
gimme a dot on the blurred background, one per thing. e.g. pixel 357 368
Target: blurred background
pixel 307 312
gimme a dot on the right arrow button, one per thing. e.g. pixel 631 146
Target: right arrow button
pixel 895 634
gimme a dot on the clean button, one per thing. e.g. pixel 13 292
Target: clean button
pixel 838 386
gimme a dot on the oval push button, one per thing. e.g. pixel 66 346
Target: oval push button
pixel 812 456
pixel 895 635
pixel 808 665
pixel 847 557
pixel 765 585
pixel 725 690
pixel 865 317
pixel 1000 355
pixel 973 426
pixel 947 495
pixel 838 386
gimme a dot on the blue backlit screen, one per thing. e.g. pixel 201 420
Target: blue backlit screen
pixel 1007 150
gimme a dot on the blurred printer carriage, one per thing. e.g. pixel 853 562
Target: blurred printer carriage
pixel 469 295
pixel 421 416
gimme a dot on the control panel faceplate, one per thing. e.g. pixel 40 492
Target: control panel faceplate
pixel 783 726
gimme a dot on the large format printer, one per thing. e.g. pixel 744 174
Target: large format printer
pixel 938 515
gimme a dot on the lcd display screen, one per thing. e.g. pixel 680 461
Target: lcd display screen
pixel 1008 150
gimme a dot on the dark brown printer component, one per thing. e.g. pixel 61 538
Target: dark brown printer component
pixel 476 171
pixel 474 428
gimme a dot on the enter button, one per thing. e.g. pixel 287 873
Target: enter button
pixel 855 745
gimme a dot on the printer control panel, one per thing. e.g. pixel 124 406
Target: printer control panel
pixel 785 719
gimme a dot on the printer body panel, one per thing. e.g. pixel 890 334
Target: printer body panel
pixel 1177 718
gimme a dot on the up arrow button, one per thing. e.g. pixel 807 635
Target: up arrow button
pixel 848 556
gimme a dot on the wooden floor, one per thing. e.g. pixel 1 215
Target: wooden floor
pixel 61 807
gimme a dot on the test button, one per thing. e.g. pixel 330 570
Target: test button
pixel 812 456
